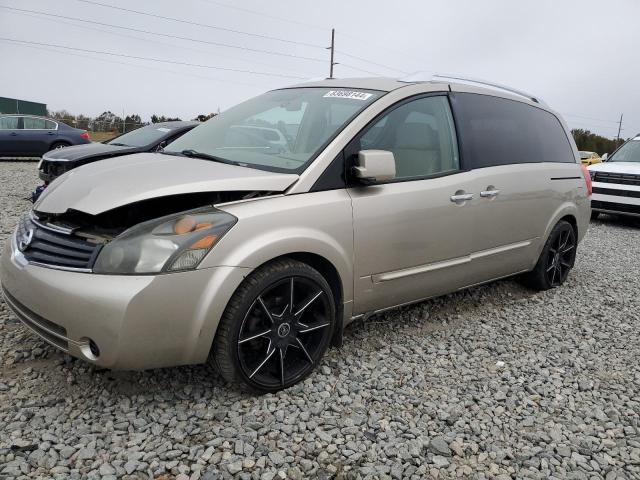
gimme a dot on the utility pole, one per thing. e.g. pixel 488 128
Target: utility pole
pixel 332 48
pixel 619 127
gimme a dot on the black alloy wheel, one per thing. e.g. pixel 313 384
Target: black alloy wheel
pixel 556 260
pixel 560 257
pixel 276 328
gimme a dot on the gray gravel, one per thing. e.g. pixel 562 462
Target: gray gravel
pixel 496 382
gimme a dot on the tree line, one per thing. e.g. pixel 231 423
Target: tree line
pixel 590 142
pixel 110 122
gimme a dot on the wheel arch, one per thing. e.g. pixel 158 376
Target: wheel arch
pixel 328 270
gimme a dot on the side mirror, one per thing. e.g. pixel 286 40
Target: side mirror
pixel 161 146
pixel 604 157
pixel 375 166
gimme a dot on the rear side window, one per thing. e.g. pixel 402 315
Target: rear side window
pixel 497 131
pixel 31 123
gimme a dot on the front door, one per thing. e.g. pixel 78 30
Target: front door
pixel 413 234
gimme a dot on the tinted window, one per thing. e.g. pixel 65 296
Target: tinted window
pixel 8 123
pixel 30 123
pixel 49 125
pixel 497 131
pixel 421 135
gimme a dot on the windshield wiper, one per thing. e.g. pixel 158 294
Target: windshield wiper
pixel 205 156
pixel 120 144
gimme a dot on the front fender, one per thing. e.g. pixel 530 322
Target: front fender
pixel 318 223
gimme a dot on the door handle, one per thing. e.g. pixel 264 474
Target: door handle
pixel 14 134
pixel 489 193
pixel 461 197
pixel 50 133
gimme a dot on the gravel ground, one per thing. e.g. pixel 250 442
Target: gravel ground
pixel 496 382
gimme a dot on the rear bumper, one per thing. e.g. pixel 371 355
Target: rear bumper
pixel 137 322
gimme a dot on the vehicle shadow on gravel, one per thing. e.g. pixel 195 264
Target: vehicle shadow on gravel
pixel 439 314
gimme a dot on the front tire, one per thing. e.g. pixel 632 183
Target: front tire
pixel 556 260
pixel 276 327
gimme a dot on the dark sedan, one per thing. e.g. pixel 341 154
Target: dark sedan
pixel 31 136
pixel 150 138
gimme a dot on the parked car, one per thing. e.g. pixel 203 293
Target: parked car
pixel 589 158
pixel 224 248
pixel 150 138
pixel 31 136
pixel 616 182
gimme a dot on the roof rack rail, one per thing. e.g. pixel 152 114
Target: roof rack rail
pixel 526 95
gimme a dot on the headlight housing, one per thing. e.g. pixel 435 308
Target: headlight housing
pixel 169 244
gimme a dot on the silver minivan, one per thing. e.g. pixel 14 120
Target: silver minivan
pixel 254 250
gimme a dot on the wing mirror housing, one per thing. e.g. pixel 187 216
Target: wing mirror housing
pixel 375 166
pixel 605 157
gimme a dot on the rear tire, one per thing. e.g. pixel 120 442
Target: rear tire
pixel 276 327
pixel 556 260
pixel 57 145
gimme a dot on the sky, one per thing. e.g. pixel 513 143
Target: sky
pixel 579 56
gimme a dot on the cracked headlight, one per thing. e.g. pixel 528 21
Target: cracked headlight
pixel 168 244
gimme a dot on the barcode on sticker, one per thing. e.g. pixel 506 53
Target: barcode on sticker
pixel 352 94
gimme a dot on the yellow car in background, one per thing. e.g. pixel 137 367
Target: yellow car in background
pixel 589 158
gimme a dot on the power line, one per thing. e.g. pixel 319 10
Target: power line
pixel 267 15
pixel 124 35
pixel 146 67
pixel 189 22
pixel 589 118
pixel 151 59
pixel 310 25
pixel 358 69
pixel 236 31
pixel 370 62
pixel 177 37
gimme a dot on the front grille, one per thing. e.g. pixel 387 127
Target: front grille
pixel 615 207
pixel 56 249
pixel 47 330
pixel 619 178
pixel 616 192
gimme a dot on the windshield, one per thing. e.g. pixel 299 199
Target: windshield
pixel 141 137
pixel 629 152
pixel 282 130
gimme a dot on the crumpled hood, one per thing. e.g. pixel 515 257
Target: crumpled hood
pixel 617 167
pixel 81 152
pixel 114 182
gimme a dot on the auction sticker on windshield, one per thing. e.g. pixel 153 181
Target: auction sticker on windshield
pixel 351 94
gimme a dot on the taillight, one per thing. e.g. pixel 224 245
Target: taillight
pixel 587 179
pixel 85 135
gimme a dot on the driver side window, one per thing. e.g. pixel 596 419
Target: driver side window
pixel 421 135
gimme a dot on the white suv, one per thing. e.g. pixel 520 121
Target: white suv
pixel 616 182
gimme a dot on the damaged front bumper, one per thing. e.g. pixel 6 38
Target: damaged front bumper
pixel 120 321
